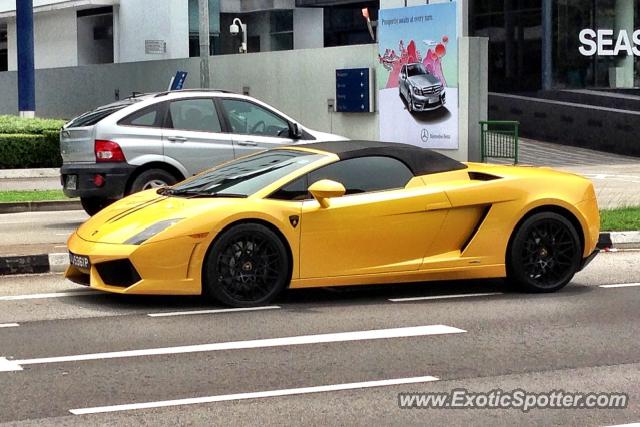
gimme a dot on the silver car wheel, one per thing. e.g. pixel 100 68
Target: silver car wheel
pixel 155 183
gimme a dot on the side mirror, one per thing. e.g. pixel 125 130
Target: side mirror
pixel 294 131
pixel 324 189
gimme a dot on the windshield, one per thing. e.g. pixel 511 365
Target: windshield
pixel 243 177
pixel 416 70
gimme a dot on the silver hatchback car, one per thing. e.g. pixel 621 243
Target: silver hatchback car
pixel 153 140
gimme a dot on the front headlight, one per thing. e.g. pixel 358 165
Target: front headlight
pixel 151 231
pixel 416 90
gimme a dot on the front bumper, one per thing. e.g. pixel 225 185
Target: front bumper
pixel 116 176
pixel 429 103
pixel 171 267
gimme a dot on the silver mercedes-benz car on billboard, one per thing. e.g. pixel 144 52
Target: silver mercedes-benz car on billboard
pixel 421 90
pixel 153 140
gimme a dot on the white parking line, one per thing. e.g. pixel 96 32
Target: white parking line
pixel 254 395
pixel 222 310
pixel 49 295
pixel 444 297
pixel 415 331
pixel 8 325
pixel 626 425
pixel 621 285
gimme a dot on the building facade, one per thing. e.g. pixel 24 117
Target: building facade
pixel 82 32
pixel 567 70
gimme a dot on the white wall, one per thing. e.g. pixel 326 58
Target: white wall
pixel 166 20
pixel 308 28
pixel 55 39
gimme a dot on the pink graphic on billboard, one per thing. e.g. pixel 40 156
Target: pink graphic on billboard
pixel 432 60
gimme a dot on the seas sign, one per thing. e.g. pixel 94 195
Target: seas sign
pixel 606 42
pixel 417 75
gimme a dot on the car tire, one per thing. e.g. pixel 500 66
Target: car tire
pixel 247 266
pixel 410 102
pixel 544 253
pixel 152 178
pixel 93 205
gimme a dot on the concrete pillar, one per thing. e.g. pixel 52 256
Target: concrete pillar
pixel 473 89
pixel 623 73
pixel 26 71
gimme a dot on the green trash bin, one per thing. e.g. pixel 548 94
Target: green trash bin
pixel 499 140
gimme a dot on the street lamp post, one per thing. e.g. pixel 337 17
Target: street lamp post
pixel 203 11
pixel 235 28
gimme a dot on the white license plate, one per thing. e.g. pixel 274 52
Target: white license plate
pixel 79 261
pixel 71 183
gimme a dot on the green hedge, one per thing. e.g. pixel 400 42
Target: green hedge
pixel 29 143
pixel 18 125
pixel 19 151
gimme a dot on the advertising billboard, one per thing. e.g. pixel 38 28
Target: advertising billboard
pixel 417 75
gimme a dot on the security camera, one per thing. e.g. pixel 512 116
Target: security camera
pixel 234 29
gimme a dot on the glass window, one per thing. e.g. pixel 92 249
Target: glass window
pixel 295 190
pixel 250 119
pixel 92 117
pixel 247 175
pixel 147 117
pixel 365 174
pixel 198 114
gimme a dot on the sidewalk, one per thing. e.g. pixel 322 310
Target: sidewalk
pixel 615 177
pixel 30 179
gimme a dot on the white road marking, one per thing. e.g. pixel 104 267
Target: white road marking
pixel 222 310
pixel 626 425
pixel 444 297
pixel 254 395
pixel 414 331
pixel 621 285
pixel 8 325
pixel 48 295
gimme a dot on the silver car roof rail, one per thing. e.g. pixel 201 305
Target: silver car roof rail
pixel 193 90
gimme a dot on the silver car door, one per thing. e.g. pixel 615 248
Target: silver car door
pixel 193 135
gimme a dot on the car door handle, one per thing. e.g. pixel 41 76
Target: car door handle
pixel 177 138
pixel 248 143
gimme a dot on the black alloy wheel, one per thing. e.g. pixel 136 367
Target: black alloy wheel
pixel 544 254
pixel 247 266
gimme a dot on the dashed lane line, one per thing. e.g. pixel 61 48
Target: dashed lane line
pixel 7 365
pixel 255 395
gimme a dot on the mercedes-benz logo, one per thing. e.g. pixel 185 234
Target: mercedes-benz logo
pixel 424 135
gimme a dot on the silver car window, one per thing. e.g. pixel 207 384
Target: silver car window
pixel 250 119
pixel 198 114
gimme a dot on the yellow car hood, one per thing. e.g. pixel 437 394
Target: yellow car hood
pixel 126 218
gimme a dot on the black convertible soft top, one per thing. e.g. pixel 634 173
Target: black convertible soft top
pixel 421 161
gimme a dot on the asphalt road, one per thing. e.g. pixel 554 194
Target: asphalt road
pixel 33 233
pixel 266 366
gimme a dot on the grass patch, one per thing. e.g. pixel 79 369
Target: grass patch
pixel 621 219
pixel 31 196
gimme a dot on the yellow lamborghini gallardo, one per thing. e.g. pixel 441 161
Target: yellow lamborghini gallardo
pixel 340 213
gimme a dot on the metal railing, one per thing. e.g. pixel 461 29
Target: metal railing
pixel 499 140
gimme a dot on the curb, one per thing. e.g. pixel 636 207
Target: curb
pixel 58 262
pixel 29 173
pixel 619 240
pixel 41 206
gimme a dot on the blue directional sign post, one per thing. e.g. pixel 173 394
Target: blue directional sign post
pixel 354 90
pixel 177 82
